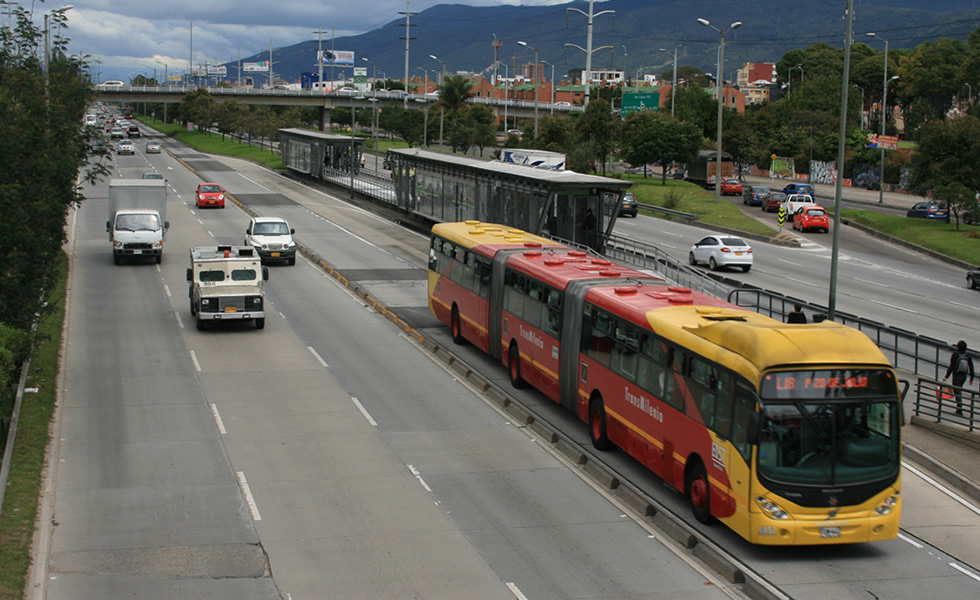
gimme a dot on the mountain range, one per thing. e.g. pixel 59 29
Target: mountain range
pixel 629 38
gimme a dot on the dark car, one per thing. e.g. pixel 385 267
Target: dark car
pixel 973 278
pixel 927 210
pixel 679 174
pixel 773 201
pixel 799 188
pixel 629 208
pixel 754 195
pixel 132 131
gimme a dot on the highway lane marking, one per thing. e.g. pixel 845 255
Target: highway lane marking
pixel 961 304
pixel 197 365
pixel 217 419
pixel 910 541
pixel 964 571
pixel 789 262
pixel 255 182
pixel 319 358
pixel 942 488
pixel 180 323
pixel 892 306
pixel 209 232
pixel 514 590
pixel 419 477
pixel 248 496
pixel 364 411
pixel 800 281
pixel 166 288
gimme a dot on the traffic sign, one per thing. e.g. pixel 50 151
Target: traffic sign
pixel 637 101
pixel 781 216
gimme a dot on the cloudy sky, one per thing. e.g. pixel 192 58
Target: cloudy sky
pixel 124 36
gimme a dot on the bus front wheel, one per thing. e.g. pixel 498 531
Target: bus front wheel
pixel 699 493
pixel 455 327
pixel 597 425
pixel 514 367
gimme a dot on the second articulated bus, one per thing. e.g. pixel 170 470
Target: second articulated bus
pixel 788 434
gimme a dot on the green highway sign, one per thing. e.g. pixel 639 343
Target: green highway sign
pixel 637 101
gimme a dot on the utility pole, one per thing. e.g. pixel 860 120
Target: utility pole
pixel 190 58
pixel 272 78
pixel 408 37
pixel 587 76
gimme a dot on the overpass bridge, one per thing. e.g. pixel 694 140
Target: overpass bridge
pixel 324 100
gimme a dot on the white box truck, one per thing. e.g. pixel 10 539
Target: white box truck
pixel 137 221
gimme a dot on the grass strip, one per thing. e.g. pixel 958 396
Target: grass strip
pixel 20 506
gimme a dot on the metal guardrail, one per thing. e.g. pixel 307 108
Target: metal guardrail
pixel 936 401
pixel 670 211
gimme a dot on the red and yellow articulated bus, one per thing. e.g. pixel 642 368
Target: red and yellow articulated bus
pixel 788 434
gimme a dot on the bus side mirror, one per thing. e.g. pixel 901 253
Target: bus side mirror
pixel 190 274
pixel 265 273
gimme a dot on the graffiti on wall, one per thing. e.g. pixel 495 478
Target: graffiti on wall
pixel 823 172
pixel 866 176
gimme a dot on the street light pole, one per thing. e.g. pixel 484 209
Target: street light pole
pixel 553 85
pixel 673 81
pixel 800 67
pixel 442 75
pixel 719 83
pixel 534 79
pixel 884 96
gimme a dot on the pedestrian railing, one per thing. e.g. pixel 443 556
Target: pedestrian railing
pixel 942 403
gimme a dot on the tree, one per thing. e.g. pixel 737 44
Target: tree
pixel 650 137
pixel 958 199
pixel 198 107
pixel 949 152
pixel 44 151
pixel 598 128
pixel 739 140
pixel 695 105
pixel 453 94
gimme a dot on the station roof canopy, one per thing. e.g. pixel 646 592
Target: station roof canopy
pixel 549 177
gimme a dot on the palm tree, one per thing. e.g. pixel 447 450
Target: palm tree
pixel 453 94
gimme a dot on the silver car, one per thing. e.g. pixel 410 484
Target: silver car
pixel 126 147
pixel 153 148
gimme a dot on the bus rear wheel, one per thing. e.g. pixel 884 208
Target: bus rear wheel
pixel 514 367
pixel 455 327
pixel 597 425
pixel 699 493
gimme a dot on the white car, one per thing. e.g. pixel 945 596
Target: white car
pixel 272 238
pixel 719 251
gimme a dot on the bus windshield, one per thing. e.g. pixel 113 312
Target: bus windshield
pixel 839 435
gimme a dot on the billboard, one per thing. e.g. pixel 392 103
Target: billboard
pixel 885 142
pixel 255 67
pixel 336 57
pixel 217 70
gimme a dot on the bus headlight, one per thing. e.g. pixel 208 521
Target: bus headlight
pixel 886 506
pixel 771 508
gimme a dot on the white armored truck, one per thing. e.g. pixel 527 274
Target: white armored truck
pixel 225 284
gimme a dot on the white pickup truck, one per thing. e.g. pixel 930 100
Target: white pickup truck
pixel 795 202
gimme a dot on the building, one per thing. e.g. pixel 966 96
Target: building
pixel 756 80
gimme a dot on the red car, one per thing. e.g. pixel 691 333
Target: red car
pixel 811 217
pixel 209 194
pixel 731 186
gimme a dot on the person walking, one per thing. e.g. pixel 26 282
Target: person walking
pixel 960 365
pixel 797 316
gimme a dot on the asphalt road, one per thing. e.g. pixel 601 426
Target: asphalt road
pixel 324 456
